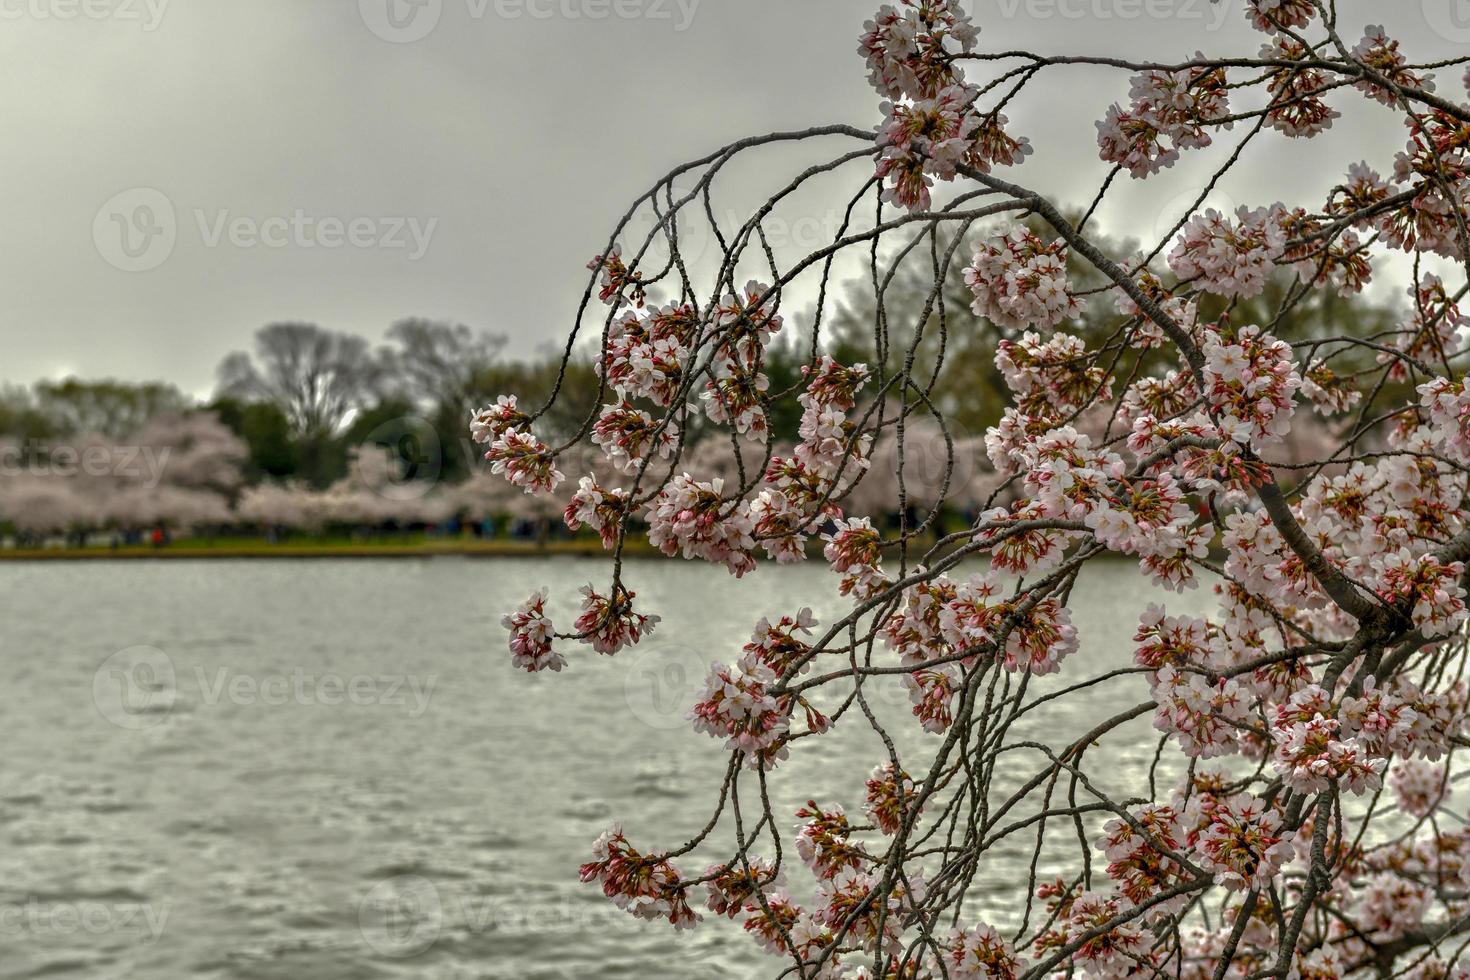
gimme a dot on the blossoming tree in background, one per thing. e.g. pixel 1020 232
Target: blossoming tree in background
pixel 1294 821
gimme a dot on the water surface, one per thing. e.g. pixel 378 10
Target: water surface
pixel 329 769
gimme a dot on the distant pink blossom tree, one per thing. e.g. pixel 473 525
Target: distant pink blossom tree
pixel 1294 822
pixel 176 469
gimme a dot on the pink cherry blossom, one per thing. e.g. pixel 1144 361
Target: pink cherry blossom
pixel 525 461
pixel 1020 282
pixel 609 624
pixel 645 886
pixel 1230 258
pixel 530 636
pixel 1243 844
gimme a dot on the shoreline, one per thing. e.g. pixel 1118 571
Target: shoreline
pixel 238 550
pixel 230 550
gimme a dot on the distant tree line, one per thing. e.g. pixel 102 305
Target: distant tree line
pixel 304 403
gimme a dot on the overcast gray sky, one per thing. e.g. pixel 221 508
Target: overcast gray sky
pixel 174 169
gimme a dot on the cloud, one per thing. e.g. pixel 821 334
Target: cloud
pixel 525 137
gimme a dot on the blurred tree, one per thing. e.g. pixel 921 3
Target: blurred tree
pixel 785 358
pixel 267 435
pixel 435 365
pixel 314 376
pixel 110 408
pixel 436 362
pixel 21 418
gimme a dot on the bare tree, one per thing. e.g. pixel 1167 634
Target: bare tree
pixel 315 376
pixel 440 361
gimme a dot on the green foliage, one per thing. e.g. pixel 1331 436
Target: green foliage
pixel 21 418
pixel 267 434
pixel 111 408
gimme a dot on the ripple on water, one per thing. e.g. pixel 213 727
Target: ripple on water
pixel 491 839
pixel 265 829
pixel 71 966
pixel 660 776
pixel 587 808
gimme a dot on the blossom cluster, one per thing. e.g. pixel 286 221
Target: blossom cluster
pixel 1111 953
pixel 693 518
pixel 1252 384
pixel 1231 258
pixel 609 623
pixel 1297 107
pixel 1168 113
pixel 1434 165
pixel 1448 405
pixel 931 127
pixel 648 356
pixel 1309 754
pixel 1381 54
pixel 1053 377
pixel 531 634
pixel 1145 851
pixel 1242 842
pixel 1275 15
pixel 601 509
pixel 514 452
pixel 891 798
pixel 736 705
pixel 646 886
pixel 1018 281
pixel 629 436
